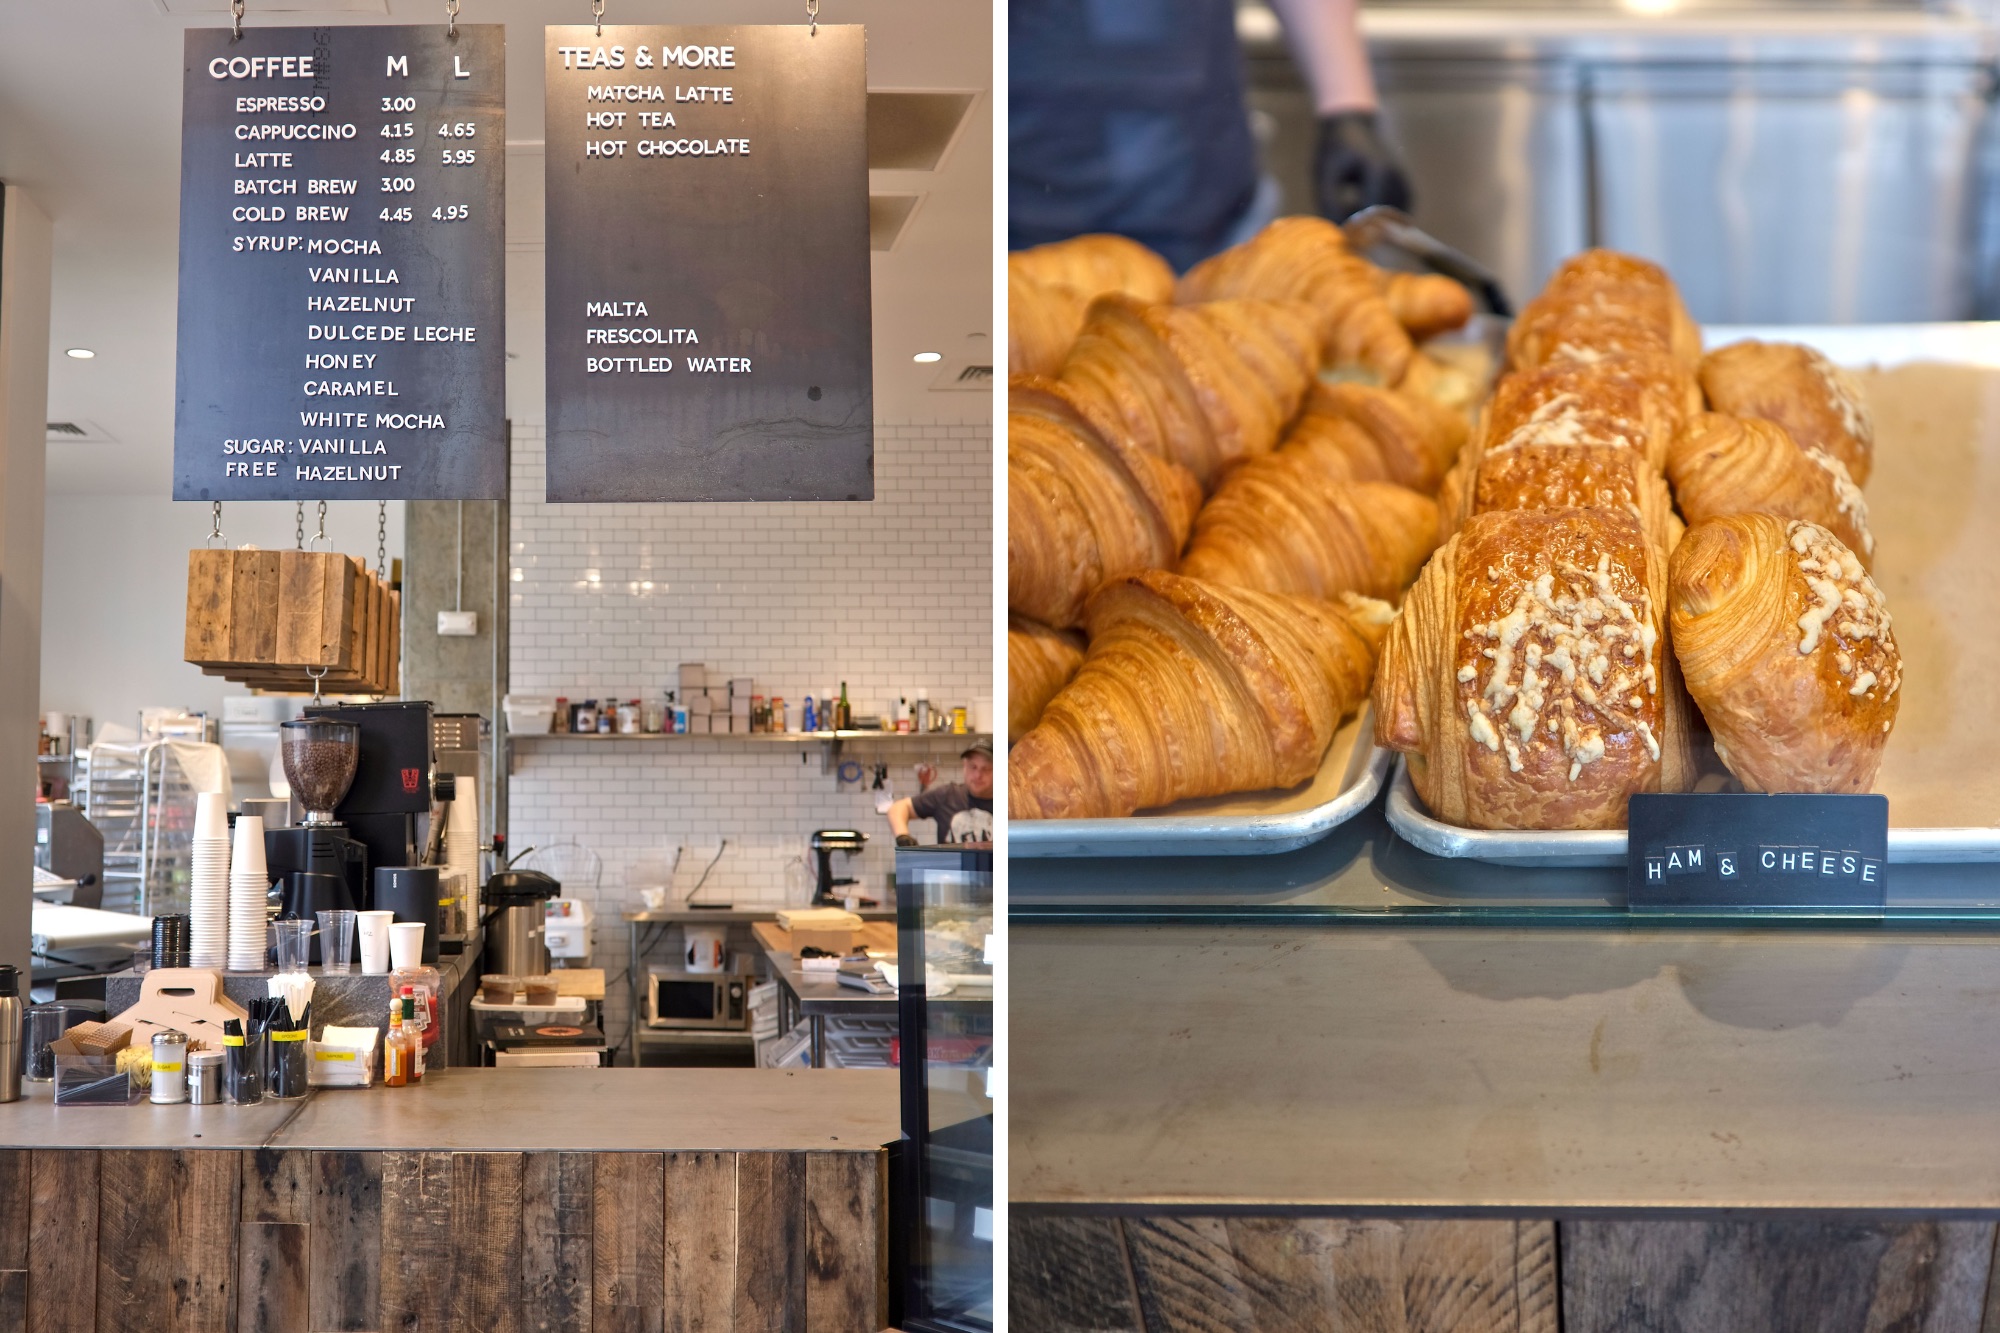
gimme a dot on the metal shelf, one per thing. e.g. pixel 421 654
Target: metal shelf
pixel 830 742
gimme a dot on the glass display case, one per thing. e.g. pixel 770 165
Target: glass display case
pixel 941 1206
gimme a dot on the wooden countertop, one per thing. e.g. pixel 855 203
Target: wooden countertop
pixel 507 1110
pixel 879 936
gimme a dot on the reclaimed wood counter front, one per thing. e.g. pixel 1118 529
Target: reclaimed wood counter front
pixel 599 1200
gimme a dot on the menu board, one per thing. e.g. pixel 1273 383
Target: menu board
pixel 709 333
pixel 341 299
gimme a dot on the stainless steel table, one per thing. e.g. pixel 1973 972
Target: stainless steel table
pixel 816 996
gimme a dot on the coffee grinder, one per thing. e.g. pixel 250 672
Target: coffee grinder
pixel 387 809
pixel 318 866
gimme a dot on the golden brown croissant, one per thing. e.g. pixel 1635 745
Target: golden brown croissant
pixel 1191 689
pixel 1082 507
pixel 1413 438
pixel 1426 304
pixel 1784 642
pixel 1096 265
pixel 1307 259
pixel 1568 476
pixel 1743 465
pixel 1601 301
pixel 1813 399
pixel 1040 661
pixel 1615 400
pixel 1042 322
pixel 1278 526
pixel 1205 385
pixel 1528 678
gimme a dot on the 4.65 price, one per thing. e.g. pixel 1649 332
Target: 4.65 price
pixel 451 213
pixel 457 129
pixel 457 157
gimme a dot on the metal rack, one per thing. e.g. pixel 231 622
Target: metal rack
pixel 141 800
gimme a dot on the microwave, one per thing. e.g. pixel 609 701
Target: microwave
pixel 717 1001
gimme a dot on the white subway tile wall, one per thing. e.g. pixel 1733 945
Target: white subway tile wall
pixel 893 597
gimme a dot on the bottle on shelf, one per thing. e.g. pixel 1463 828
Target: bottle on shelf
pixel 413 1042
pixel 827 720
pixel 844 719
pixel 395 1051
pixel 809 720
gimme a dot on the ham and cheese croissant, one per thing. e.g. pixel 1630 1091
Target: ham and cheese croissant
pixel 1278 525
pixel 1634 403
pixel 1040 661
pixel 1564 476
pixel 1307 259
pixel 1097 265
pixel 1426 304
pixel 1189 690
pixel 1816 402
pixel 1599 303
pixel 1203 385
pixel 1528 677
pixel 1743 465
pixel 1042 322
pixel 1082 507
pixel 1784 643
pixel 1393 436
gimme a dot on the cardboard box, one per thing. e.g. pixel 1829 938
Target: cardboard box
pixel 698 705
pixel 739 724
pixel 718 698
pixel 698 724
pixel 833 941
pixel 694 676
pixel 742 686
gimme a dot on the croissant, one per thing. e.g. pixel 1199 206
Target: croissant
pixel 1096 265
pixel 1190 689
pixel 1413 439
pixel 1203 385
pixel 1816 402
pixel 1042 322
pixel 1601 301
pixel 1616 401
pixel 1784 642
pixel 1278 526
pixel 1040 661
pixel 1743 465
pixel 1426 304
pixel 1527 676
pixel 1307 259
pixel 1082 507
pixel 1567 476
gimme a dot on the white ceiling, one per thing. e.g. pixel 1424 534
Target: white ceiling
pixel 90 94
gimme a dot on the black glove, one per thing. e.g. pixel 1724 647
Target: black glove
pixel 905 840
pixel 1355 167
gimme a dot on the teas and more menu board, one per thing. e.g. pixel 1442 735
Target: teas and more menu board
pixel 341 265
pixel 708 266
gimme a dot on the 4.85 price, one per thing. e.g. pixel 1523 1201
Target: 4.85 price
pixel 451 213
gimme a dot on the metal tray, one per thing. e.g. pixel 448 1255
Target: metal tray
pixel 1252 824
pixel 1607 847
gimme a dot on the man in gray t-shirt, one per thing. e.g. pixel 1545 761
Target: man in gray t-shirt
pixel 962 811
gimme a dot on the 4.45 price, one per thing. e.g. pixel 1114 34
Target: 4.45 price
pixel 451 213
pixel 394 215
pixel 457 157
pixel 457 129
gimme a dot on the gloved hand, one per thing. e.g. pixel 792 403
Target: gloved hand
pixel 905 840
pixel 1355 167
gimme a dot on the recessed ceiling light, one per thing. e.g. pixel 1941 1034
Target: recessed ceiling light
pixel 925 358
pixel 80 353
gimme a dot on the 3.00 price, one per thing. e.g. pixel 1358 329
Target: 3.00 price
pixel 399 154
pixel 451 213
pixel 399 104
pixel 399 129
pixel 394 215
pixel 457 129
pixel 397 185
pixel 457 157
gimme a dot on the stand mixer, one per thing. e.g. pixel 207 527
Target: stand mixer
pixel 318 866
pixel 825 842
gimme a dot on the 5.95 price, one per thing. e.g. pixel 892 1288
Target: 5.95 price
pixel 457 157
pixel 451 213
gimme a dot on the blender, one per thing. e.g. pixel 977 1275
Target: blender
pixel 319 867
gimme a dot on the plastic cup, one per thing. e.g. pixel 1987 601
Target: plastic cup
pixel 336 940
pixel 373 928
pixel 211 816
pixel 406 944
pixel 294 944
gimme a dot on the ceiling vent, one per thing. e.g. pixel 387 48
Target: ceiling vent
pixel 963 377
pixel 78 432
pixel 914 131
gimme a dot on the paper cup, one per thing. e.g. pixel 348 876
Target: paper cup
pixel 373 927
pixel 247 856
pixel 406 944
pixel 211 816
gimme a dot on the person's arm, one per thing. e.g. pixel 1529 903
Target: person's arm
pixel 899 821
pixel 1354 167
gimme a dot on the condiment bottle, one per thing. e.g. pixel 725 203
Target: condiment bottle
pixel 395 1052
pixel 844 719
pixel 412 1040
pixel 562 713
pixel 809 721
pixel 923 712
pixel 169 1067
pixel 11 1053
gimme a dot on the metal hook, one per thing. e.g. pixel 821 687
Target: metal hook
pixel 812 17
pixel 236 20
pixel 451 18
pixel 321 536
pixel 597 12
pixel 215 527
pixel 317 677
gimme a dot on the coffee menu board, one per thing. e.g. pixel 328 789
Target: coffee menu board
pixel 341 293
pixel 709 333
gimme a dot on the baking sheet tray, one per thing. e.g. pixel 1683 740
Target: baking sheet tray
pixel 1935 393
pixel 1247 824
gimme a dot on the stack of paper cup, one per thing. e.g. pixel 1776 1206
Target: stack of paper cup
pixel 249 883
pixel 208 892
pixel 461 834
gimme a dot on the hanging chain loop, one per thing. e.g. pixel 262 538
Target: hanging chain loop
pixel 236 20
pixel 597 12
pixel 812 17
pixel 299 515
pixel 317 674
pixel 381 537
pixel 451 18
pixel 321 536
pixel 215 536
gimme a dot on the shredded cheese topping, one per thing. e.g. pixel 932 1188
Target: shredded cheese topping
pixel 1846 496
pixel 1845 610
pixel 1843 395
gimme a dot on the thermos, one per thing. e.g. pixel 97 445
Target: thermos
pixel 11 1054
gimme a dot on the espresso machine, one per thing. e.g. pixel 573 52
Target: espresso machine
pixel 825 842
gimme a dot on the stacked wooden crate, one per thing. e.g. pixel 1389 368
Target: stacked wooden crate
pixel 273 619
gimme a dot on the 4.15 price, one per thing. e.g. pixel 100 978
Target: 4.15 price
pixel 457 157
pixel 399 129
pixel 451 213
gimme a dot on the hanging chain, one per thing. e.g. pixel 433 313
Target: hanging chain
pixel 317 675
pixel 812 16
pixel 597 12
pixel 321 536
pixel 299 512
pixel 451 18
pixel 215 526
pixel 381 536
pixel 236 20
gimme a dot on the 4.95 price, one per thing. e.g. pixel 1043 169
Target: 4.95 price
pixel 451 213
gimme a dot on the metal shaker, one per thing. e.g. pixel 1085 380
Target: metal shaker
pixel 11 1054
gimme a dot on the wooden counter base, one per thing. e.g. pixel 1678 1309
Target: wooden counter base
pixel 296 1241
